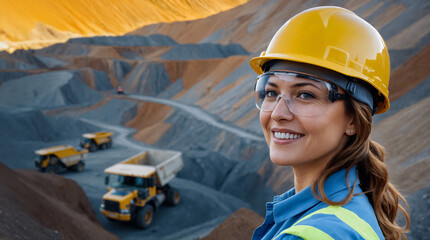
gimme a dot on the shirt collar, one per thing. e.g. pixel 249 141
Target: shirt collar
pixel 290 204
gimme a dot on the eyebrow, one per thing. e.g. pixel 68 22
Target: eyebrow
pixel 272 84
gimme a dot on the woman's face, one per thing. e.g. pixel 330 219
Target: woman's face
pixel 308 137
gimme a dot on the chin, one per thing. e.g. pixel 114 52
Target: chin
pixel 280 163
pixel 279 158
pixel 283 157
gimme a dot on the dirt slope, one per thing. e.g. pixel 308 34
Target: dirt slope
pixel 406 137
pixel 414 72
pixel 45 206
pixel 29 24
pixel 240 225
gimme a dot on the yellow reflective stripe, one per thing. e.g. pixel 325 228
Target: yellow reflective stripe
pixel 306 232
pixel 349 218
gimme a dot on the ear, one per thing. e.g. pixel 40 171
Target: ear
pixel 350 127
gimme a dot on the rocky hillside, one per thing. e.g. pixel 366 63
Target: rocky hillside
pixel 45 206
pixel 29 24
pixel 189 87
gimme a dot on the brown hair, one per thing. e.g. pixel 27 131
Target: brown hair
pixel 368 157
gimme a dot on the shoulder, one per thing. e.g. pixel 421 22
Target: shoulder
pixel 332 222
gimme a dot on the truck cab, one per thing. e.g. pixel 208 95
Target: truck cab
pixel 96 140
pixel 126 193
pixel 119 90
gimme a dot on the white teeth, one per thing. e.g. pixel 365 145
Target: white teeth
pixel 282 135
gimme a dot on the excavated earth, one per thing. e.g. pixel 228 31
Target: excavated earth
pixel 45 206
pixel 191 93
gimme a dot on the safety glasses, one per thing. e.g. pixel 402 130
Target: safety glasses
pixel 304 95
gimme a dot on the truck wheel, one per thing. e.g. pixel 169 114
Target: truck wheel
pixel 109 144
pixel 79 167
pixel 53 169
pixel 49 169
pixel 145 216
pixel 93 147
pixel 173 196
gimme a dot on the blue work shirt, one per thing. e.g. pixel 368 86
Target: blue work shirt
pixel 289 207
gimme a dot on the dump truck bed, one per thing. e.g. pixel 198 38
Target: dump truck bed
pixel 97 135
pixel 60 151
pixel 54 149
pixel 166 164
pixel 131 170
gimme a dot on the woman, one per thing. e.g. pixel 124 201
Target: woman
pixel 323 76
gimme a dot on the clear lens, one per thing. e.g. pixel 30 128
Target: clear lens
pixel 304 95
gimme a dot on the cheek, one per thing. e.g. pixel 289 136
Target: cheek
pixel 264 121
pixel 330 129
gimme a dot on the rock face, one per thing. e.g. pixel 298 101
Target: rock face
pixel 188 87
pixel 26 124
pixel 47 90
pixel 35 25
pixel 45 206
pixel 127 41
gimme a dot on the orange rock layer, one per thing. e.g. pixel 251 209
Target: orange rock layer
pixel 35 24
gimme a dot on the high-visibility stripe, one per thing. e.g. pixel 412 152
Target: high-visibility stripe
pixel 306 232
pixel 348 217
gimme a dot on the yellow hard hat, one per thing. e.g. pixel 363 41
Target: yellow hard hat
pixel 336 39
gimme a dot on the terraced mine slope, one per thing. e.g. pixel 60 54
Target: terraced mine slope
pixel 188 87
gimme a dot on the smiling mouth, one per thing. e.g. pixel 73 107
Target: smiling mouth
pixel 283 135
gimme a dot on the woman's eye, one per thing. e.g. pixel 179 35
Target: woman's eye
pixel 306 95
pixel 270 93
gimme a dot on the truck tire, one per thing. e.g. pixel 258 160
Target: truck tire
pixel 145 216
pixel 173 196
pixel 93 147
pixel 54 165
pixel 109 144
pixel 49 169
pixel 79 167
pixel 55 169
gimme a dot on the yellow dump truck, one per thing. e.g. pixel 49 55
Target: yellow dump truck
pixel 139 185
pixel 97 140
pixel 60 158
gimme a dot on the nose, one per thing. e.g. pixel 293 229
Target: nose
pixel 282 110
